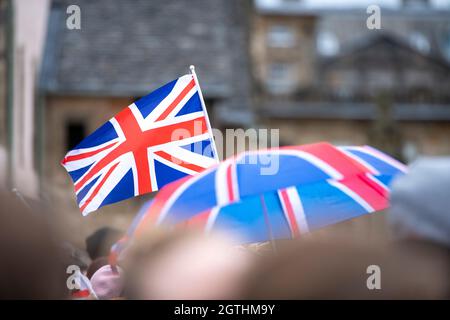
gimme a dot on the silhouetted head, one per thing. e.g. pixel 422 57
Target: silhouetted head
pixel 31 266
pixel 99 243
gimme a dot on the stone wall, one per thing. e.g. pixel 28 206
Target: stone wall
pixel 427 138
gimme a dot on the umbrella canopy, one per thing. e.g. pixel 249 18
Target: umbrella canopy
pixel 278 193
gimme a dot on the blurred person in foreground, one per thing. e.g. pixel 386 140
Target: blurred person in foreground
pixel 32 264
pixel 420 203
pixel 185 265
pixel 108 282
pixel 338 269
pixel 419 216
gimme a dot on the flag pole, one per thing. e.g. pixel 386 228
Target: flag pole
pixel 216 155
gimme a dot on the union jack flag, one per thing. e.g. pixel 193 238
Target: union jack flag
pixel 159 138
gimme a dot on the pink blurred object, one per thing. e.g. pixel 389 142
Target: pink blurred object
pixel 107 283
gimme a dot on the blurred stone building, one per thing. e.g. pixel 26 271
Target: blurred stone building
pixel 314 73
pixel 124 50
pixel 321 74
pixel 22 34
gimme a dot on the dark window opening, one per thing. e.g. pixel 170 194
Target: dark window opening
pixel 75 132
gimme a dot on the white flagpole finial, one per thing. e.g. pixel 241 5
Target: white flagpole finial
pixel 192 67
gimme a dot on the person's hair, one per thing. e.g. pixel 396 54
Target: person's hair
pixel 149 247
pixel 31 266
pixel 99 243
pixel 95 265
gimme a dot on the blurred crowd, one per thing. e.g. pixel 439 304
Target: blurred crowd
pixel 185 264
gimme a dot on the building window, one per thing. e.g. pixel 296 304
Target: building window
pixel 75 132
pixel 280 78
pixel 327 44
pixel 281 36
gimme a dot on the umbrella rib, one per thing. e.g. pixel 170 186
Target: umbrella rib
pixel 266 220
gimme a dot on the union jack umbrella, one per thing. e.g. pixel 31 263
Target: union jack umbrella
pixel 158 139
pixel 314 186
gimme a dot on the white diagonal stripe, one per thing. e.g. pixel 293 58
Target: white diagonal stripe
pixel 359 160
pixel 297 206
pixel 86 150
pixel 81 163
pixel 181 83
pixel 182 102
pixel 174 165
pixel 114 178
pixel 212 219
pixel 181 142
pixel 221 182
pixel 189 156
pixel 183 118
pixel 352 195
